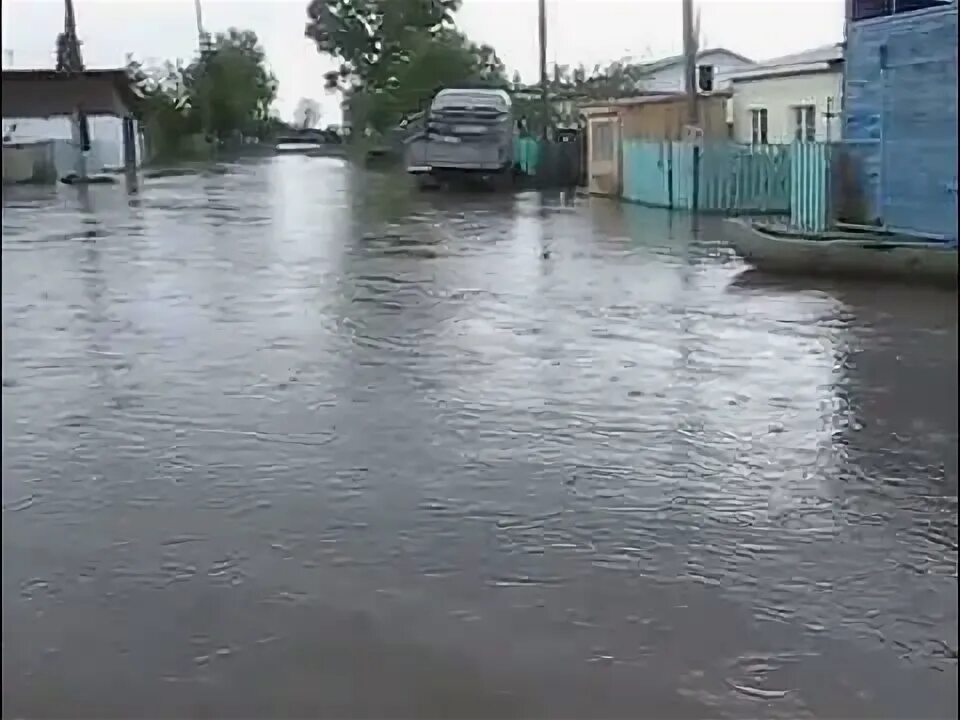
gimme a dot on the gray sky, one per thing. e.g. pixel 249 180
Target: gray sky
pixel 587 31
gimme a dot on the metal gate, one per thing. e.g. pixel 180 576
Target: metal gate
pixel 919 132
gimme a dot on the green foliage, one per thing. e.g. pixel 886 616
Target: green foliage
pixel 163 108
pixel 307 113
pixel 371 36
pixel 396 54
pixel 229 85
pixel 224 93
pixel 616 79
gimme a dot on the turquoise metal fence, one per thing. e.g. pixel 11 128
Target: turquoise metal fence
pixel 526 154
pixel 683 175
pixel 647 173
pixel 742 179
pixel 733 178
pixel 810 172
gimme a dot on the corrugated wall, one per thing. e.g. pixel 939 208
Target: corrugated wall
pixel 526 154
pixel 744 179
pixel 646 172
pixel 666 120
pixel 901 113
pixel 733 178
pixel 810 186
pixel 33 162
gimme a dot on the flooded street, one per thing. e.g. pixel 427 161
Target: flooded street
pixel 293 441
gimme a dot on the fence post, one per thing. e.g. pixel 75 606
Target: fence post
pixel 668 146
pixel 695 199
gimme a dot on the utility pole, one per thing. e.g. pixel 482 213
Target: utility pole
pixel 201 35
pixel 68 44
pixel 690 63
pixel 544 84
pixel 69 60
pixel 693 109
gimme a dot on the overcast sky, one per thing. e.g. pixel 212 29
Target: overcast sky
pixel 587 31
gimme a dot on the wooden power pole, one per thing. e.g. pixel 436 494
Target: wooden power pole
pixel 69 58
pixel 690 63
pixel 693 110
pixel 201 34
pixel 544 84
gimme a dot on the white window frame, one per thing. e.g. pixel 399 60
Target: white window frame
pixel 805 122
pixel 601 140
pixel 759 126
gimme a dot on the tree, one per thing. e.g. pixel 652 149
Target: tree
pixel 395 54
pixel 616 79
pixel 371 36
pixel 561 75
pixel 164 109
pixel 307 114
pixel 226 91
pixel 229 86
pixel 579 76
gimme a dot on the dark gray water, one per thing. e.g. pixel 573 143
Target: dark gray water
pixel 291 441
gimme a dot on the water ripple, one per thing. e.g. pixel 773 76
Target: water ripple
pixel 286 439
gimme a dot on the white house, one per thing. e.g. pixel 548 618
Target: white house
pixel 795 97
pixel 668 74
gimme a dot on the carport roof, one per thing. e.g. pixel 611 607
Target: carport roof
pixel 16 106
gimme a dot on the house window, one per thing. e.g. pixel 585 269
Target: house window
pixel 601 141
pixel 758 123
pixel 864 9
pixel 705 75
pixel 805 123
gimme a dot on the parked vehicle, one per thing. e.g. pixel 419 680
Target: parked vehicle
pixel 309 142
pixel 466 134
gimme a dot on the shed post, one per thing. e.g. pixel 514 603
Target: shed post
pixel 80 129
pixel 129 144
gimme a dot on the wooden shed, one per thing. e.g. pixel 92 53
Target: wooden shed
pixel 46 93
pixel 654 117
pixel 41 106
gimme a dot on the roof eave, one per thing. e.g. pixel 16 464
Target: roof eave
pixel 770 73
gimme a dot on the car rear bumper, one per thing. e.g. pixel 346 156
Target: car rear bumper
pixel 473 168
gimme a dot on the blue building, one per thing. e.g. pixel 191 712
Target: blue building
pixel 900 112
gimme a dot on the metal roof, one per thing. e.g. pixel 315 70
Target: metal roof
pixel 650 67
pixel 117 77
pixel 817 59
pixel 649 99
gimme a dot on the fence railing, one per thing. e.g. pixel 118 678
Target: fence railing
pixel 526 154
pixel 743 179
pixel 732 178
pixel 835 183
pixel 810 202
pixel 648 173
pixel 820 185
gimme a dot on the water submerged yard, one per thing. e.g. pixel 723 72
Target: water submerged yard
pixel 291 440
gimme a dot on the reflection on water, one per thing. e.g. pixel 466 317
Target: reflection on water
pixel 292 441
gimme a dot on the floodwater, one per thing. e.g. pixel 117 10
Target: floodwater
pixel 288 440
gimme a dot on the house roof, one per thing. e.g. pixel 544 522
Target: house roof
pixel 600 106
pixel 117 78
pixel 819 59
pixel 651 67
pixel 52 74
